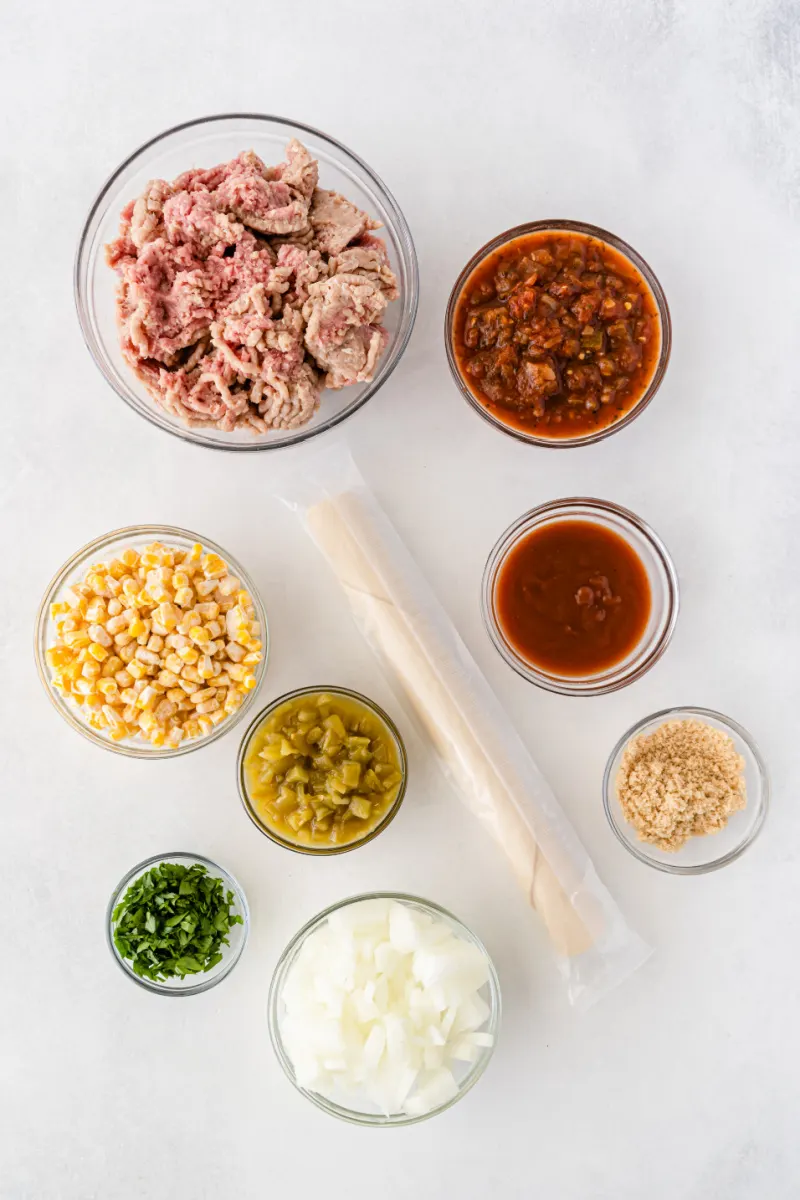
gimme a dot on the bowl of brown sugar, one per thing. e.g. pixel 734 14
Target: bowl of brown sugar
pixel 686 790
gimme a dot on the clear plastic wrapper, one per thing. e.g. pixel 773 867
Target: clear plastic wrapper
pixel 486 761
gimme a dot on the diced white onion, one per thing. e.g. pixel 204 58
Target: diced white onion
pixel 382 1005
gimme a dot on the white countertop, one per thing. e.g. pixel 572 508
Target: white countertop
pixel 674 125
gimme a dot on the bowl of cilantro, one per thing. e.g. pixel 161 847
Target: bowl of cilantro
pixel 177 924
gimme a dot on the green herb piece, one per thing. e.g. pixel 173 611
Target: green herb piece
pixel 173 920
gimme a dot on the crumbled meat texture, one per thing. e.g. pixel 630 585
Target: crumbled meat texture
pixel 683 779
pixel 336 222
pixel 245 289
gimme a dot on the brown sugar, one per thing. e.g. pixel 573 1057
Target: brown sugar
pixel 683 779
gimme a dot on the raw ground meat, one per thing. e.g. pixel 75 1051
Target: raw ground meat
pixel 245 289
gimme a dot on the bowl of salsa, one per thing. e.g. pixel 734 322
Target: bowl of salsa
pixel 580 596
pixel 558 333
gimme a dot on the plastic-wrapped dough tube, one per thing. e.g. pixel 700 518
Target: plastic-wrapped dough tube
pixel 494 775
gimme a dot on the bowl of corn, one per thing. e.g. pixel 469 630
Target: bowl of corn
pixel 151 641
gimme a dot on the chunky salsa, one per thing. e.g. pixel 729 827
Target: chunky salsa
pixel 557 334
pixel 572 598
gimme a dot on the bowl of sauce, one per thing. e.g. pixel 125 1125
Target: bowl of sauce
pixel 558 333
pixel 580 596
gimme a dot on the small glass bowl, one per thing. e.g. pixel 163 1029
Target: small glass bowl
pixel 74 571
pixel 637 262
pixel 471 1071
pixel 711 851
pixel 190 985
pixel 204 143
pixel 267 712
pixel 661 575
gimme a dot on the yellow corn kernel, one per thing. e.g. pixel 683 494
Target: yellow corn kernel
pixel 175 736
pixel 184 597
pixel 58 656
pixel 130 557
pixel 208 706
pixel 204 694
pixel 218 715
pixel 174 663
pixel 251 658
pixel 130 590
pixel 195 554
pixel 147 698
pixel 191 728
pixel 188 654
pixel 143 599
pixel 98 652
pixel 191 674
pixel 118 732
pixel 208 609
pixel 204 587
pixel 199 635
pixel 111 665
pixel 150 558
pixel 244 600
pixel 214 567
pixel 168 679
pixel 114 607
pixel 97 584
pixel 90 669
pixel 136 669
pixel 128 695
pixel 108 688
pixel 175 694
pixel 167 615
pixel 83 687
pixel 147 722
pixel 137 627
pixel 158 737
pixel 249 681
pixel 205 667
pixel 130 714
pixel 229 584
pixel 127 651
pixel 205 723
pixel 237 671
pixel 179 580
pixel 57 609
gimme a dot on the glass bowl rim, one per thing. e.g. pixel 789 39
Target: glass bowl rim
pixel 400 228
pixel 353 1116
pixel 763 797
pixel 580 685
pixel 652 282
pixel 295 693
pixel 203 984
pixel 59 581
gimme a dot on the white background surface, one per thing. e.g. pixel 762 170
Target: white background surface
pixel 676 125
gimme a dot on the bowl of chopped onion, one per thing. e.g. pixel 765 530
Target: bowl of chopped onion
pixel 384 1009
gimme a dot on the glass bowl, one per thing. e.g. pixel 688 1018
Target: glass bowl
pixel 189 985
pixel 637 262
pixel 74 571
pixel 204 143
pixel 471 1072
pixel 710 851
pixel 661 575
pixel 265 713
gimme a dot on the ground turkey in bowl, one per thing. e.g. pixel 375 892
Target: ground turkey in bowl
pixel 246 289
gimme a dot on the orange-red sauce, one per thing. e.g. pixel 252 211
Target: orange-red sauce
pixel 557 334
pixel 572 598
